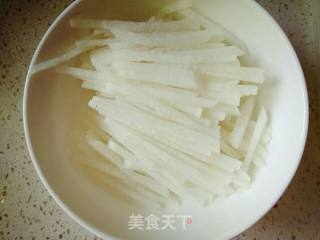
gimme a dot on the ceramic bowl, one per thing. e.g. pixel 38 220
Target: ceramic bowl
pixel 55 114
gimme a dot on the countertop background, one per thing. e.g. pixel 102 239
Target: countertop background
pixel 26 209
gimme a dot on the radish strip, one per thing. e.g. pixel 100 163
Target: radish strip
pixel 261 123
pixel 164 39
pixel 213 55
pixel 242 122
pixel 254 75
pixel 58 60
pixel 92 43
pixel 156 73
pixel 149 26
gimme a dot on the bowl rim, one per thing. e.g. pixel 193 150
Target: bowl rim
pixel 104 235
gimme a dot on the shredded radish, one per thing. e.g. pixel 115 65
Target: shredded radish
pixel 241 124
pixel 178 112
pixel 58 60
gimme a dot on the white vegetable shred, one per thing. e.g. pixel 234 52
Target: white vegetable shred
pixel 177 108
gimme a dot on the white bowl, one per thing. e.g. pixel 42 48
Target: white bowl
pixel 55 109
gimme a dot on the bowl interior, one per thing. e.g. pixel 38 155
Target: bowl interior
pixel 57 118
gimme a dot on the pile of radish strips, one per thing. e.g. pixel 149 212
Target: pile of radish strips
pixel 178 109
